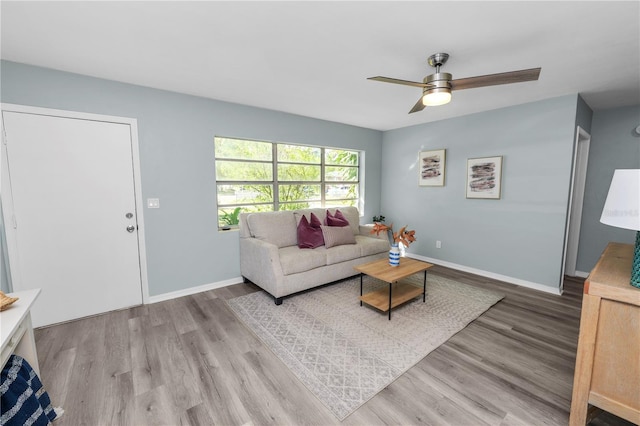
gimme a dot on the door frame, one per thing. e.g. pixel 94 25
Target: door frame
pixel 576 201
pixel 7 204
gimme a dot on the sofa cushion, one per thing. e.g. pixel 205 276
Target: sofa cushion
pixel 293 260
pixel 336 219
pixel 352 215
pixel 342 253
pixel 277 228
pixel 369 246
pixel 337 236
pixel 310 233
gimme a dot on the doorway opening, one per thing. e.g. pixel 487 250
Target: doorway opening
pixel 576 199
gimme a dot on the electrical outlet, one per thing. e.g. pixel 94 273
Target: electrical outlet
pixel 438 244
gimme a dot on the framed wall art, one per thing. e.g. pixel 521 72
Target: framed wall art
pixel 431 168
pixel 484 177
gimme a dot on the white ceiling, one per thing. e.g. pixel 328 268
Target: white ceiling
pixel 313 58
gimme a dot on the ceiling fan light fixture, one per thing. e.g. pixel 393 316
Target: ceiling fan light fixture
pixel 436 97
pixel 438 89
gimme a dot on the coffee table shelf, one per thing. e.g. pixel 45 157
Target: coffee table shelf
pixel 402 292
pixel 398 292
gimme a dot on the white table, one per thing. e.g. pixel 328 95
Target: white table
pixel 16 331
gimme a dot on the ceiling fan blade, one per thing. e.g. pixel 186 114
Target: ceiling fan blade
pixel 496 79
pixel 397 81
pixel 419 106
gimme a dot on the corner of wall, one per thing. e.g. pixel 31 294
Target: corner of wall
pixel 584 114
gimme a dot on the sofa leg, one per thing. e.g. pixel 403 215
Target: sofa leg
pixel 245 280
pixel 278 300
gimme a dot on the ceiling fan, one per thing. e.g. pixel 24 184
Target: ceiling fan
pixel 436 88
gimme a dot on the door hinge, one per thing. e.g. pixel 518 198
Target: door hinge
pixel 14 222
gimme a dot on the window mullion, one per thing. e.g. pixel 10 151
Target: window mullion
pixel 276 189
pixel 322 179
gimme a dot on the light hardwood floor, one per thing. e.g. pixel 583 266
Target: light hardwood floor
pixel 190 361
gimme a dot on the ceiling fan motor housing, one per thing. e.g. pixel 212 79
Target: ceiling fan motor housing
pixel 438 82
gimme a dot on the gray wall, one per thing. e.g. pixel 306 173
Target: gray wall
pixel 519 236
pixel 614 145
pixel 584 115
pixel 176 131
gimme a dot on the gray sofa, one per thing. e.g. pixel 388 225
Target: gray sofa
pixel 271 259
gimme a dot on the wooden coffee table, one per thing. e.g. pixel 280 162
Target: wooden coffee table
pixel 399 292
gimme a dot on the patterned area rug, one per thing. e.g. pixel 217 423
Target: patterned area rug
pixel 344 353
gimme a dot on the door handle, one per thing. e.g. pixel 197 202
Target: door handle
pixel 131 228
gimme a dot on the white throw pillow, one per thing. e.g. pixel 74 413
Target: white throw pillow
pixel 337 235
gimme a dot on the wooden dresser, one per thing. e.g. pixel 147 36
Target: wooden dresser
pixel 607 372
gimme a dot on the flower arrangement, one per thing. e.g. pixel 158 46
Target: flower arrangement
pixel 402 236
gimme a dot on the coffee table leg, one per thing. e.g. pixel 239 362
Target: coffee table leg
pixel 361 289
pixel 424 287
pixel 390 287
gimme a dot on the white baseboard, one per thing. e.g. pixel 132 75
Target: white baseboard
pixel 193 290
pixel 511 280
pixel 582 274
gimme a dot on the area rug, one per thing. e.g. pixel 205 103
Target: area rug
pixel 346 353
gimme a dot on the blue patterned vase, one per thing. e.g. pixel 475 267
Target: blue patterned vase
pixel 394 255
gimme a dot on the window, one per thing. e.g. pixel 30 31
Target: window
pixel 253 176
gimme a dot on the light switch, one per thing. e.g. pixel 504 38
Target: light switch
pixel 153 203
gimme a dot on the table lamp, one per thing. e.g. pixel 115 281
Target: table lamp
pixel 622 209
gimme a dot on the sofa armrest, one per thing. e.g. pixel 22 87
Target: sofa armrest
pixel 366 231
pixel 260 263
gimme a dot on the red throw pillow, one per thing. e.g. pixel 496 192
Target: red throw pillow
pixel 336 220
pixel 310 234
pixel 315 222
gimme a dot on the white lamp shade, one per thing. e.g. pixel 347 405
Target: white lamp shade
pixel 622 208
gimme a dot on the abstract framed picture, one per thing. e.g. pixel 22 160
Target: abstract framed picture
pixel 484 177
pixel 431 168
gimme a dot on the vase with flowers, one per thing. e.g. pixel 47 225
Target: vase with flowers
pixel 403 236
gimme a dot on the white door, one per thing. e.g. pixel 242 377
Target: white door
pixel 73 228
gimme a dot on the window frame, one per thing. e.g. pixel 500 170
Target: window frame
pixel 275 182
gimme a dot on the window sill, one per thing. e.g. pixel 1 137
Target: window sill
pixel 228 228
